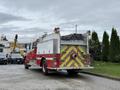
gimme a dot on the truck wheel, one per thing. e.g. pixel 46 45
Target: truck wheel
pixel 26 66
pixel 44 68
pixel 72 72
pixel 5 63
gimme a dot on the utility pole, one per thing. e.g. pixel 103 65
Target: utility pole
pixel 88 38
pixel 76 28
pixel 15 42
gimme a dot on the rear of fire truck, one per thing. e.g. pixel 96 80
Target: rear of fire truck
pixel 55 52
pixel 74 51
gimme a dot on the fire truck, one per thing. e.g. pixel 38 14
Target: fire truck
pixel 56 52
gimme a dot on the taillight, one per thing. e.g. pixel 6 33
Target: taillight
pixel 57 60
pixel 87 62
pixel 55 63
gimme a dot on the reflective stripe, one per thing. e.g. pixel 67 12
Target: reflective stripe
pixel 46 58
pixel 67 60
pixel 38 58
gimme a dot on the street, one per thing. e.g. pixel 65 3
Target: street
pixel 15 77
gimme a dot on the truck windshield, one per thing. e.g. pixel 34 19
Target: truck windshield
pixel 16 56
pixel 2 56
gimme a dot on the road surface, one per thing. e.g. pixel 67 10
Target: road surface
pixel 15 77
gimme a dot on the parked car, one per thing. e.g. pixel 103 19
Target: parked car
pixel 15 58
pixel 3 59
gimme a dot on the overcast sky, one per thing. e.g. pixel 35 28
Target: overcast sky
pixel 31 18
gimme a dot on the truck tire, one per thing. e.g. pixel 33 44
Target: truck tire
pixel 72 72
pixel 5 63
pixel 44 68
pixel 26 66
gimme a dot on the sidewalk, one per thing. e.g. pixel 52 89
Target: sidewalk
pixel 101 75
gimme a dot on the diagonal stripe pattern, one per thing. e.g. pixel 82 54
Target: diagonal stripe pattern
pixel 67 60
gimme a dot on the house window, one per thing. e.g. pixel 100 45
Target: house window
pixel 1 50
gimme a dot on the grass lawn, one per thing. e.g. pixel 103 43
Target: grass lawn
pixel 106 68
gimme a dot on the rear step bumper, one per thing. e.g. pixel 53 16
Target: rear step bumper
pixel 66 68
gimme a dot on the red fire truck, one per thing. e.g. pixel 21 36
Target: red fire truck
pixel 55 52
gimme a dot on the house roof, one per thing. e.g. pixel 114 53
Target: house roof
pixel 72 37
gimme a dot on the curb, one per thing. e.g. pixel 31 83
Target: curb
pixel 101 75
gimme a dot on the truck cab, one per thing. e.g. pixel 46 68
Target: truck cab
pixel 3 58
pixel 15 58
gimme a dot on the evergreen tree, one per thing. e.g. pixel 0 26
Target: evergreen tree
pixel 114 46
pixel 119 45
pixel 105 47
pixel 95 47
pixel 117 57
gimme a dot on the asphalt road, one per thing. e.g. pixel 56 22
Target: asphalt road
pixel 15 77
